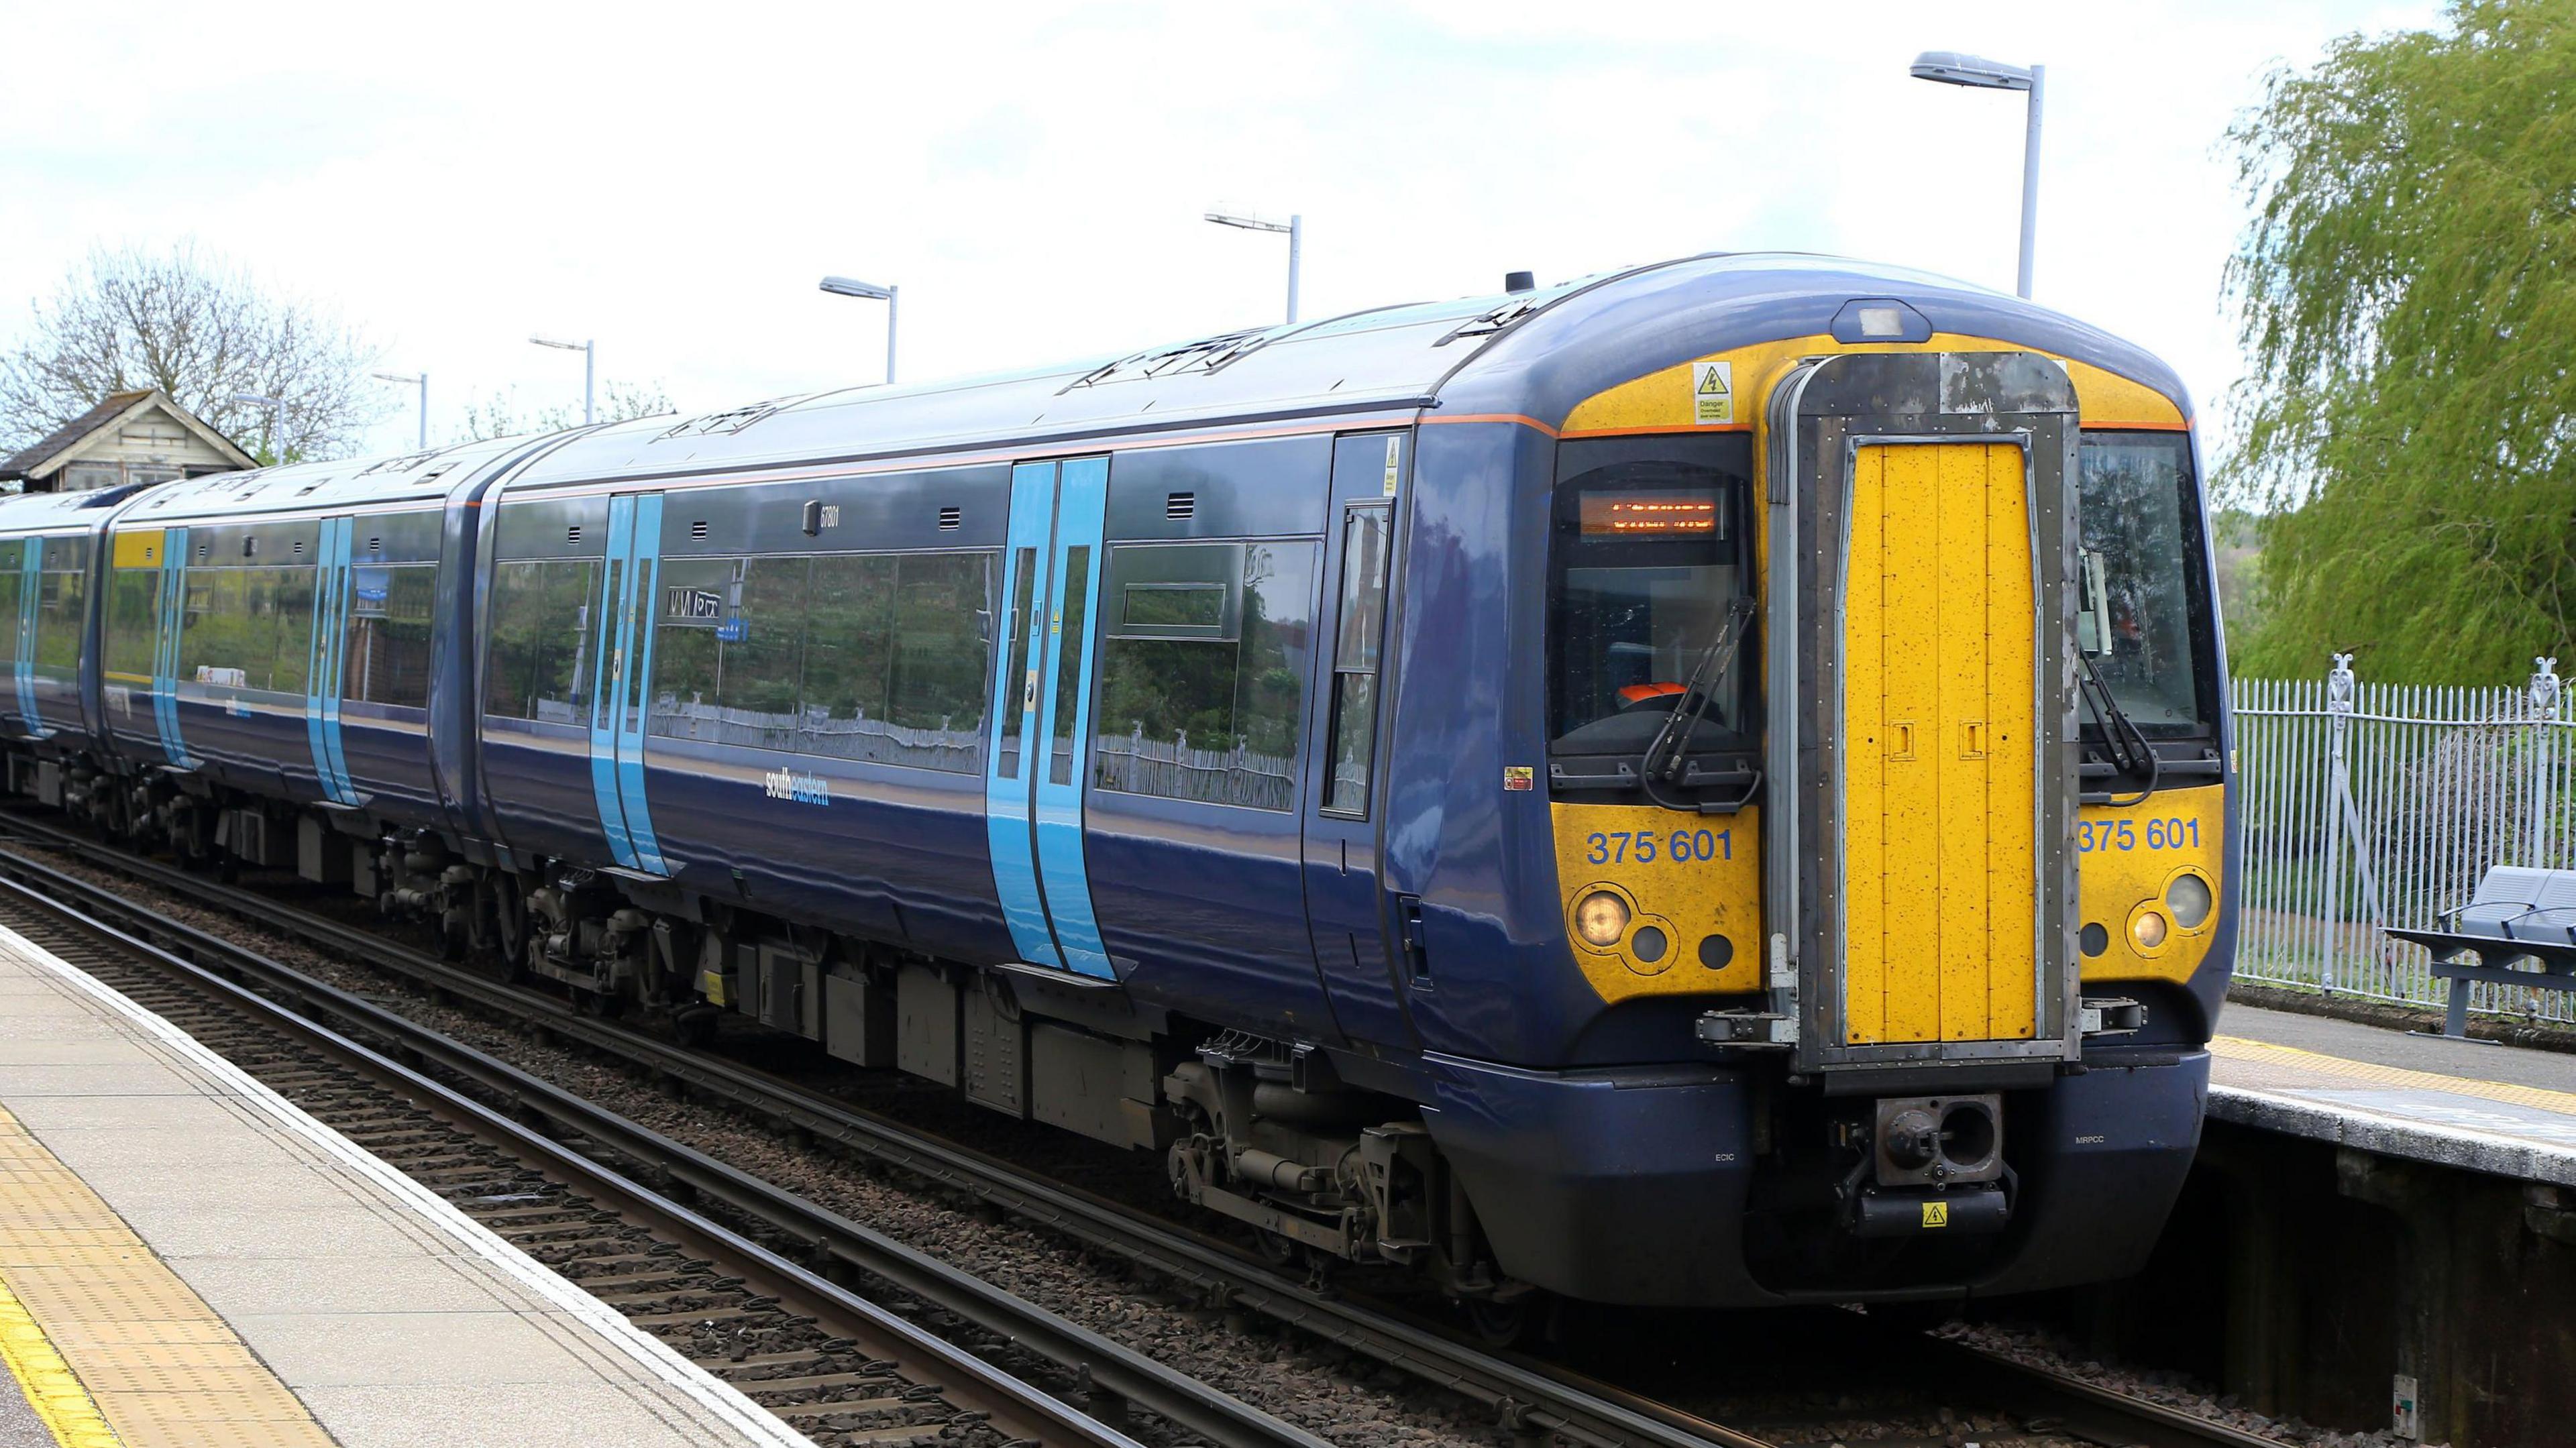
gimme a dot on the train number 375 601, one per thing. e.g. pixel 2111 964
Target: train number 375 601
pixel 2167 834
pixel 1618 847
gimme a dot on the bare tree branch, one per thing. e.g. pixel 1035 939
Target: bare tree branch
pixel 200 330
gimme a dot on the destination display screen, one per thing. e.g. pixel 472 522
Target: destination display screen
pixel 1663 513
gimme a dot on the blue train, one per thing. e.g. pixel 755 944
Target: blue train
pixel 1707 784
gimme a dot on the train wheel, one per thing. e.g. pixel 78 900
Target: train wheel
pixel 509 927
pixel 1516 1323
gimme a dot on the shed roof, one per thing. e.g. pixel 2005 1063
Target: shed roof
pixel 115 408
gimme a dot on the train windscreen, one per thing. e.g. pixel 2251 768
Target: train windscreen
pixel 1648 553
pixel 2144 610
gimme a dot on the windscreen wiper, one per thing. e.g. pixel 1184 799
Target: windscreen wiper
pixel 1666 755
pixel 2106 707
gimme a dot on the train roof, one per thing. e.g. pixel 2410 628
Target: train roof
pixel 22 514
pixel 1531 354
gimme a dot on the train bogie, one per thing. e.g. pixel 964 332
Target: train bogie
pixel 1702 785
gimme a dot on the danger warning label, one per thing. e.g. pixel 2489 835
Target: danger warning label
pixel 1712 392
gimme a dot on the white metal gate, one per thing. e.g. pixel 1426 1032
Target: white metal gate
pixel 2371 805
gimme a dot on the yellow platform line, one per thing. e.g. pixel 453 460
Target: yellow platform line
pixel 52 1388
pixel 125 1336
pixel 2266 1053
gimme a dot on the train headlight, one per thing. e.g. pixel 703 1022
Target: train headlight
pixel 2189 899
pixel 1601 918
pixel 2148 929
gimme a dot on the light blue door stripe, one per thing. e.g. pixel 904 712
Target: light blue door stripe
pixel 608 676
pixel 1006 799
pixel 1082 496
pixel 643 580
pixel 30 590
pixel 173 614
pixel 344 584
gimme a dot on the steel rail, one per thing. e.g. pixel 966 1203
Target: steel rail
pixel 838 1243
pixel 1532 1400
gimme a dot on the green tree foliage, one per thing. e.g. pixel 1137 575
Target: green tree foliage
pixel 2407 296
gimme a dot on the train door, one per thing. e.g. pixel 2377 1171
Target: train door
pixel 1038 743
pixel 1928 635
pixel 1346 910
pixel 24 558
pixel 325 671
pixel 621 670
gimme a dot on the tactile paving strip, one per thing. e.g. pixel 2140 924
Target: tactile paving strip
pixel 2289 1061
pixel 160 1365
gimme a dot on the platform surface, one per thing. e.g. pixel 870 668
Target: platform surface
pixel 2506 1110
pixel 187 1258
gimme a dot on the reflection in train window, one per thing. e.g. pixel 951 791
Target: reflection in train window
pixel 1201 710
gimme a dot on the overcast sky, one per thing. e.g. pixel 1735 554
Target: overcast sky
pixel 672 182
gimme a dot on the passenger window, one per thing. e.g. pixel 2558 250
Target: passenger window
pixel 1017 691
pixel 1203 671
pixel 228 630
pixel 764 652
pixel 294 603
pixel 386 651
pixel 875 657
pixel 542 640
pixel 59 617
pixel 698 596
pixel 942 659
pixel 133 610
pixel 848 658
pixel 1357 640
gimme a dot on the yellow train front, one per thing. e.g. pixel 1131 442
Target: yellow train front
pixel 1859 641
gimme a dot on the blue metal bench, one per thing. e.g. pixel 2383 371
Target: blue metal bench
pixel 2519 928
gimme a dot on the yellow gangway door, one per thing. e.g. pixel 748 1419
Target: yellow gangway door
pixel 1939 775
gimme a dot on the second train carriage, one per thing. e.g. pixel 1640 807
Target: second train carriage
pixel 1702 785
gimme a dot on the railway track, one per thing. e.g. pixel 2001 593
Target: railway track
pixel 567 1182
pixel 1536 1402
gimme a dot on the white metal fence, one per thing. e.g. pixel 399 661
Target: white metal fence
pixel 2375 805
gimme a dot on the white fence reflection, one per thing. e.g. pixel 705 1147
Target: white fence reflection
pixel 2373 805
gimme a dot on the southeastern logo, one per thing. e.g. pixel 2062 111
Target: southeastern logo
pixel 802 788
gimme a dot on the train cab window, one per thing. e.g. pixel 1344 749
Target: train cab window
pixel 1357 639
pixel 385 658
pixel 2144 617
pixel 1648 555
pixel 1205 651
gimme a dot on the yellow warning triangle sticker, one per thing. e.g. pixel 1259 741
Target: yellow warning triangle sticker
pixel 1712 381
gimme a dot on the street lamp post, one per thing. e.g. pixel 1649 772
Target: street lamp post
pixel 422 382
pixel 1950 67
pixel 851 287
pixel 589 372
pixel 276 423
pixel 1295 231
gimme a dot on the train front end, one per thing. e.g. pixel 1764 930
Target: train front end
pixel 1885 738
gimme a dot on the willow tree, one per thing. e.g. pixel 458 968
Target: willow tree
pixel 2407 297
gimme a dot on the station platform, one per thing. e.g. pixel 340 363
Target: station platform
pixel 188 1258
pixel 2506 1110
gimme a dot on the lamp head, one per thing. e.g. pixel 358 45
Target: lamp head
pixel 851 287
pixel 1954 67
